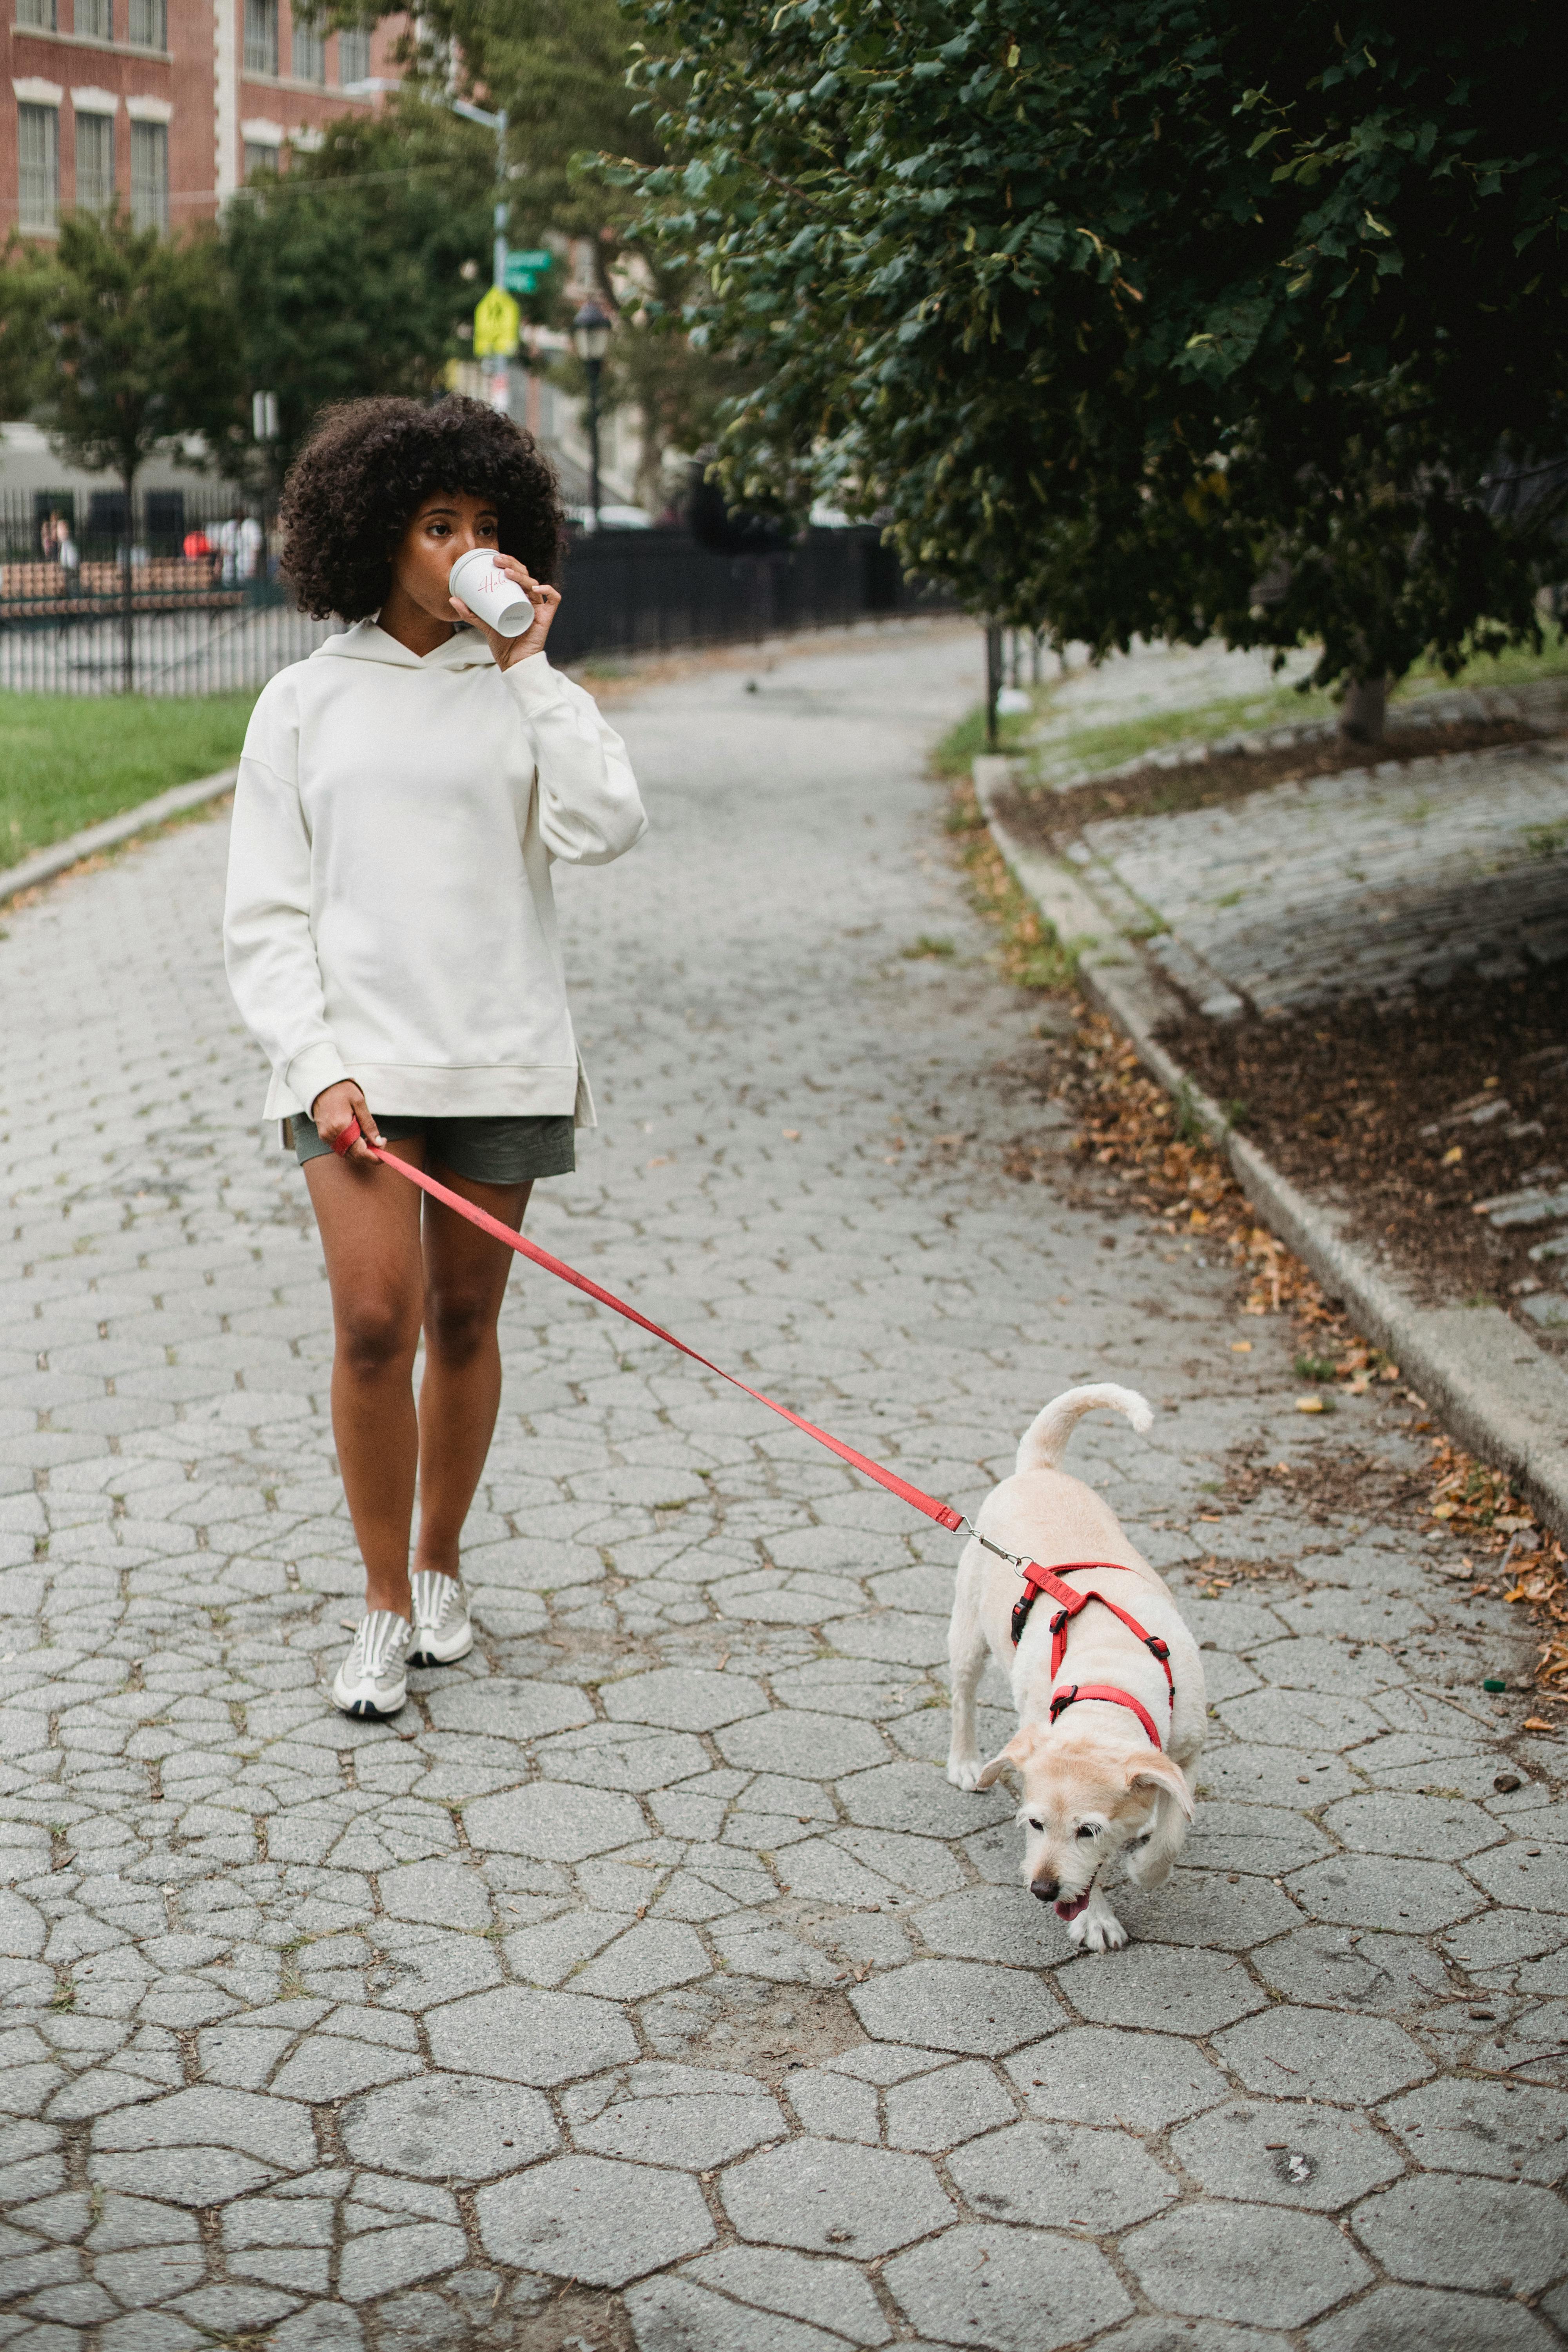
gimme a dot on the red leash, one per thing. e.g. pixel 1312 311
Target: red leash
pixel 942 1513
pixel 1036 1578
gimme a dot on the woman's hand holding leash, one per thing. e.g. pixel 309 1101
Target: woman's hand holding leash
pixel 342 1118
pixel 546 602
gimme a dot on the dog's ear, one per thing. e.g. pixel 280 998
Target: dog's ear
pixel 1016 1753
pixel 1160 1772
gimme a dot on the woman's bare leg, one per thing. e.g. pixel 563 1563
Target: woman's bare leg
pixel 465 1279
pixel 369 1220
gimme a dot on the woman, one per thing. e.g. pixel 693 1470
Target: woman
pixel 390 939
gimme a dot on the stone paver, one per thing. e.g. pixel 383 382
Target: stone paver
pixel 1372 879
pixel 650 1950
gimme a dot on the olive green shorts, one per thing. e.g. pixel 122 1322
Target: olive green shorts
pixel 485 1150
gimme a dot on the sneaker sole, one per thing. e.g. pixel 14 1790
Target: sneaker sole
pixel 365 1708
pixel 440 1655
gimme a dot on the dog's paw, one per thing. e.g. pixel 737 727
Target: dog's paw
pixel 964 1772
pixel 1098 1930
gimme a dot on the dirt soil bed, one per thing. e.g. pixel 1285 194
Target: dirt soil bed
pixel 1373 1105
pixel 1050 819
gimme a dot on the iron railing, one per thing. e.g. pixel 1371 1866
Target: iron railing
pixel 177 603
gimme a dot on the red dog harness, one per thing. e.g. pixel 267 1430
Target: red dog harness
pixel 1039 1580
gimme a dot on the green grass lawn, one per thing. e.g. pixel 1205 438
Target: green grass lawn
pixel 1109 744
pixel 67 760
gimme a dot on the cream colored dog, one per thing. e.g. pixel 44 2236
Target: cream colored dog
pixel 1094 1784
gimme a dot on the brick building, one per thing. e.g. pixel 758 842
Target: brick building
pixel 163 105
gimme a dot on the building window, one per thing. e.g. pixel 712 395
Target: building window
pixel 310 53
pixel 38 153
pixel 149 24
pixel 354 57
pixel 36 16
pixel 150 175
pixel 259 156
pixel 261 37
pixel 94 162
pixel 94 20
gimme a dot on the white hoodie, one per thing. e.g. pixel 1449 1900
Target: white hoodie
pixel 389 915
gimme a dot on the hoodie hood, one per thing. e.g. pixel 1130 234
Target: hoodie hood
pixel 367 641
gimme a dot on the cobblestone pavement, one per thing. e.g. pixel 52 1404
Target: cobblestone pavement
pixel 1366 881
pixel 645 1983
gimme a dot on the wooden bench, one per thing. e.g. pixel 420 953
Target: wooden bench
pixel 168 584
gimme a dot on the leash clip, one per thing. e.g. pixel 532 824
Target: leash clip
pixel 1014 1559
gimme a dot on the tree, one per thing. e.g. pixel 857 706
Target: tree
pixel 22 343
pixel 134 351
pixel 346 273
pixel 560 69
pixel 1160 317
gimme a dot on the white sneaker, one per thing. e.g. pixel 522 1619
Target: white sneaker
pixel 442 1633
pixel 372 1680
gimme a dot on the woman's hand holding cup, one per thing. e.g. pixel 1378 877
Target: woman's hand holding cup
pixel 335 1110
pixel 545 601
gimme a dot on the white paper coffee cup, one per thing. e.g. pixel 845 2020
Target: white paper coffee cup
pixel 489 594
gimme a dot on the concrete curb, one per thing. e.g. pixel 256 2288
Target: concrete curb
pixel 44 863
pixel 1501 1396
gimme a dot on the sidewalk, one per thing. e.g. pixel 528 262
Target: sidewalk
pixel 645 1987
pixel 1368 965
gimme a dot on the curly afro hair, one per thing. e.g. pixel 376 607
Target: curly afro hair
pixel 368 467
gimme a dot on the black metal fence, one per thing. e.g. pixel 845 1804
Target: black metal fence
pixel 173 594
pixel 629 591
pixel 183 596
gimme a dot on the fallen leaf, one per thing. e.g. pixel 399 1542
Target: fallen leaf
pixel 791 1134
pixel 1310 1404
pixel 1241 1346
pixel 1538 1723
pixel 1452 1156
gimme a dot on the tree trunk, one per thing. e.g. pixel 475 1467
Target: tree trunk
pixel 1363 711
pixel 127 598
pixel 993 680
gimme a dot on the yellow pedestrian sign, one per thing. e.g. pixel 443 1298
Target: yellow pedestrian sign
pixel 496 322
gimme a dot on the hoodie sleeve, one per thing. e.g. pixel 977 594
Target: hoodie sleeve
pixel 268 953
pixel 589 811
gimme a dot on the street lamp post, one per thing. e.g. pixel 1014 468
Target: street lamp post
pixel 496 122
pixel 591 341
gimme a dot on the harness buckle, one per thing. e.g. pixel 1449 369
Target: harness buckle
pixel 1161 1649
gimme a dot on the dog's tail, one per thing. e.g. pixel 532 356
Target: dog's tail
pixel 1044 1443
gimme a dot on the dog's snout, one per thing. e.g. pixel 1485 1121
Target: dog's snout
pixel 1044 1890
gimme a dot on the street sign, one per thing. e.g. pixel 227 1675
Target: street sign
pixel 495 321
pixel 524 270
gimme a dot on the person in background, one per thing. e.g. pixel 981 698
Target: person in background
pixel 240 544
